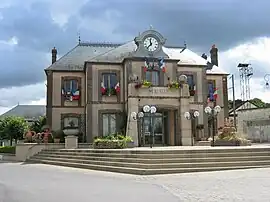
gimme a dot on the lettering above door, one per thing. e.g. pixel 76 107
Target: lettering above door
pixel 158 90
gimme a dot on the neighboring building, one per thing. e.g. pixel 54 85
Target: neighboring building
pixel 29 112
pixel 254 124
pixel 92 89
pixel 244 105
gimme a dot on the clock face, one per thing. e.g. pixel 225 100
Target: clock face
pixel 150 44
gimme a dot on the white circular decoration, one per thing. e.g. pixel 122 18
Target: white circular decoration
pixel 217 109
pixel 146 109
pixel 187 115
pixel 140 114
pixel 208 110
pixel 153 109
pixel 133 115
pixel 196 114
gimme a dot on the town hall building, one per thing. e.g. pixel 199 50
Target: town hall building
pixel 98 89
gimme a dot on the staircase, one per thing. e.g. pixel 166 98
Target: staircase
pixel 157 161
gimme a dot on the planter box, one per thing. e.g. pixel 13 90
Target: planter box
pixel 109 145
pixel 227 143
pixel 130 145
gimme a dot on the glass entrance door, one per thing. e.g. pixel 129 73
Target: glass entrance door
pixel 153 130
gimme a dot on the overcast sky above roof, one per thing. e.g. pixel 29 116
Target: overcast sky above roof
pixel 30 28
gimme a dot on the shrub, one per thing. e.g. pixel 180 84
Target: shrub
pixel 113 141
pixel 8 149
pixel 230 134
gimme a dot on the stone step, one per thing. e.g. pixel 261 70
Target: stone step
pixel 139 171
pixel 158 166
pixel 158 160
pixel 158 156
pixel 165 150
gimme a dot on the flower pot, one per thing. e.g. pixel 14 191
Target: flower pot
pixel 227 143
pixel 71 131
pixel 143 86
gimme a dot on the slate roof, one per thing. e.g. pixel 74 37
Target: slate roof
pixel 26 111
pixel 109 52
pixel 117 54
pixel 75 58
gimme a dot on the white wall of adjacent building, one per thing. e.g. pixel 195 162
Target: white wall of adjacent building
pixel 254 124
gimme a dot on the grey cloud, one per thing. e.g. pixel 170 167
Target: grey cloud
pixel 22 95
pixel 21 67
pixel 200 23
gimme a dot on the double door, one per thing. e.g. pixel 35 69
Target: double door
pixel 152 130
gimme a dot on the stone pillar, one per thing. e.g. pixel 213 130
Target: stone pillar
pixel 71 142
pixel 186 130
pixel 132 125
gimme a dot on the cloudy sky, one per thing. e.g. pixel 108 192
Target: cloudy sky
pixel 30 28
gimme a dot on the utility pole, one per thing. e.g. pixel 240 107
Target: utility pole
pixel 234 114
pixel 234 107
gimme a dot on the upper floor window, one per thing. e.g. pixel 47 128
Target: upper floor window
pixel 71 122
pixel 70 89
pixel 211 90
pixel 109 84
pixel 191 83
pixel 70 85
pixel 153 77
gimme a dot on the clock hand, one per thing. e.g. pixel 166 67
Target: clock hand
pixel 150 43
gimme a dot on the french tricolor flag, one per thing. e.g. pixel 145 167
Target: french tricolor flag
pixel 117 87
pixel 76 95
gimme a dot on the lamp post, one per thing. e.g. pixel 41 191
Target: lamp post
pixel 150 110
pixel 213 112
pixel 189 116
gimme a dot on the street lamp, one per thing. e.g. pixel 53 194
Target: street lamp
pixel 213 112
pixel 189 116
pixel 267 79
pixel 151 110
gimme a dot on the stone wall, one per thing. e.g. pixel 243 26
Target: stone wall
pixel 254 124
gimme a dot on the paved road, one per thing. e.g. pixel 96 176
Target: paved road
pixel 41 183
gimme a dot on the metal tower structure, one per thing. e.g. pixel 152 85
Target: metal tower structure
pixel 245 73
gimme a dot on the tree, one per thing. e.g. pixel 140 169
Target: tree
pixel 256 101
pixel 13 128
pixel 38 125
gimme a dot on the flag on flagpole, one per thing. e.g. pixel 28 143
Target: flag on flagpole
pixel 117 87
pixel 103 89
pixel 76 95
pixel 215 94
pixel 146 64
pixel 162 65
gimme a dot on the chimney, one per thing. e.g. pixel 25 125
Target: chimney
pixel 214 55
pixel 54 55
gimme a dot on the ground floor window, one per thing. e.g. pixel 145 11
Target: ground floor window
pixel 109 124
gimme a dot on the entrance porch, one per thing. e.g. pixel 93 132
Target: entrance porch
pixel 158 129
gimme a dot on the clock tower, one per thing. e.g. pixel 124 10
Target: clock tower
pixel 150 44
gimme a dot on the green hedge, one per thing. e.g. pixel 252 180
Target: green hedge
pixel 113 141
pixel 8 150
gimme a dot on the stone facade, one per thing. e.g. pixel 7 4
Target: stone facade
pixel 91 66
